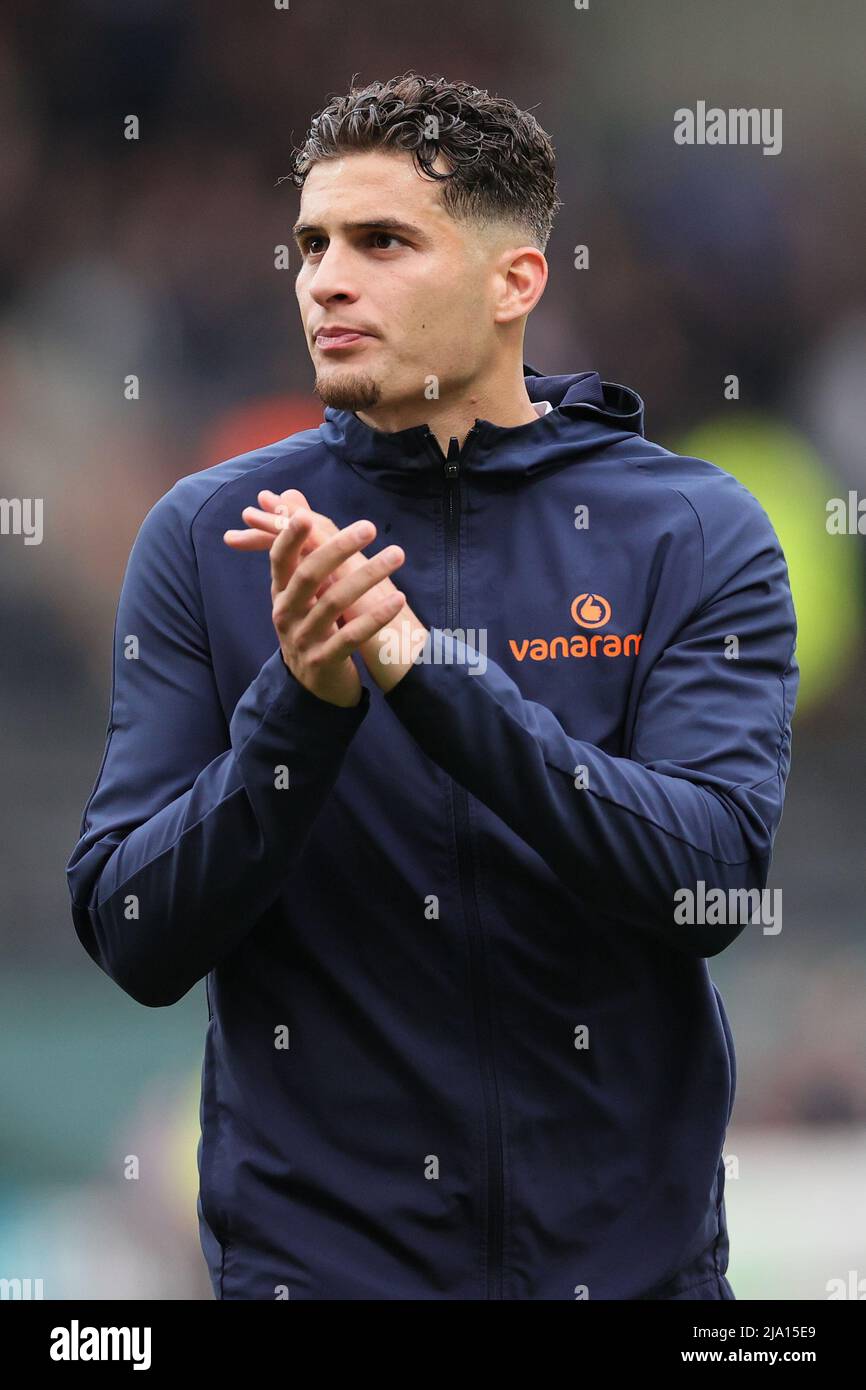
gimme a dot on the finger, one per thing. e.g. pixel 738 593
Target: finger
pixel 275 522
pixel 286 551
pixel 292 496
pixel 257 539
pixel 287 503
pixel 352 635
pixel 264 526
pixel 323 526
pixel 300 587
pixel 266 521
pixel 249 540
pixel 342 594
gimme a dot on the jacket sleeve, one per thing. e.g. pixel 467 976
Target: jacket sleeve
pixel 194 823
pixel 699 795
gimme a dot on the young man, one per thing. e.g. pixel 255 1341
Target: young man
pixel 430 851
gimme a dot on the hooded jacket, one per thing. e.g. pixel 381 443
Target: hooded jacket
pixel 462 1042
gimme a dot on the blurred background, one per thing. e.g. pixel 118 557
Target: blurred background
pixel 156 257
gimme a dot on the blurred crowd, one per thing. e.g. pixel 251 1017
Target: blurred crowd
pixel 154 257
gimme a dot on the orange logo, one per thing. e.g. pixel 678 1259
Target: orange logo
pixel 590 610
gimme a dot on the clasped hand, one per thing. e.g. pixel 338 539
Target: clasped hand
pixel 328 601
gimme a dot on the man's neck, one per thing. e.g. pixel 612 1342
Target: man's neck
pixel 455 418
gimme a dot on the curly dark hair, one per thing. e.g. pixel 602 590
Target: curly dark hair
pixel 501 164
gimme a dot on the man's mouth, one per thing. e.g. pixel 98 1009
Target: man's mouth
pixel 331 339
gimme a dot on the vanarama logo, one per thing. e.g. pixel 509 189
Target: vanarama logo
pixel 588 611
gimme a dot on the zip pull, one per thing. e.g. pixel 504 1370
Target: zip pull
pixel 452 461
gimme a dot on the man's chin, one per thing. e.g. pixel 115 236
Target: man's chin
pixel 347 390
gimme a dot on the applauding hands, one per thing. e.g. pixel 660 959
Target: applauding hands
pixel 328 600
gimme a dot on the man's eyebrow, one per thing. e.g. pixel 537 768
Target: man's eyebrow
pixel 379 224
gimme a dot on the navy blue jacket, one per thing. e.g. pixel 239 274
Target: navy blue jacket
pixel 461 1044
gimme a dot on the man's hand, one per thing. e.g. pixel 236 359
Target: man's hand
pixel 266 522
pixel 311 594
pixel 403 631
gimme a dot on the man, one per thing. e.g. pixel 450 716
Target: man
pixel 430 852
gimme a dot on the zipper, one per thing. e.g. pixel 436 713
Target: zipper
pixel 480 983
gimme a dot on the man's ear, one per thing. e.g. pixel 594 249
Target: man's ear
pixel 522 275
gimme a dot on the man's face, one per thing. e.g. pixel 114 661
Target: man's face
pixel 422 292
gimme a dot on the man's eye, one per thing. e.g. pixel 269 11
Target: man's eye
pixel 313 244
pixel 385 236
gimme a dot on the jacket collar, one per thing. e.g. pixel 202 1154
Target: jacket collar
pixel 586 413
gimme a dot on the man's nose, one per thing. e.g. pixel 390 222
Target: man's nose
pixel 334 276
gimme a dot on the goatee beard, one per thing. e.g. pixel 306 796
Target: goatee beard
pixel 348 391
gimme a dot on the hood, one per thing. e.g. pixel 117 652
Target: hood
pixel 587 414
